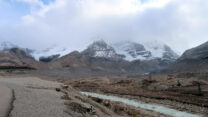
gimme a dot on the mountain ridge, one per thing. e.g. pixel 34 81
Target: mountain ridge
pixel 101 56
pixel 192 60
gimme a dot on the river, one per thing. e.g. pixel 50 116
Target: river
pixel 153 107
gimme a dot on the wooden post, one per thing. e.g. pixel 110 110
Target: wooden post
pixel 199 89
pixel 178 83
pixel 150 77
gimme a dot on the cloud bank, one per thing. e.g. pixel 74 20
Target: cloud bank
pixel 181 24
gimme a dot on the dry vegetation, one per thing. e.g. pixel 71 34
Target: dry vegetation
pixel 82 106
pixel 183 93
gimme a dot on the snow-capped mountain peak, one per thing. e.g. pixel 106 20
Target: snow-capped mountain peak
pixel 145 51
pixel 160 50
pixel 122 50
pixel 99 49
pixel 131 50
pixel 156 48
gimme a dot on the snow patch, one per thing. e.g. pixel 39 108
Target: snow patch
pixel 50 51
pixel 156 48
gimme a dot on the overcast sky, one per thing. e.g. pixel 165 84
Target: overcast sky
pixel 36 24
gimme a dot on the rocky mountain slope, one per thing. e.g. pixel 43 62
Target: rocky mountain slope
pixel 100 57
pixel 133 57
pixel 192 60
pixel 17 58
pixel 126 50
pixel 11 56
pixel 128 58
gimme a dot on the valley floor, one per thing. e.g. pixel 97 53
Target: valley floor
pixel 35 97
pixel 177 93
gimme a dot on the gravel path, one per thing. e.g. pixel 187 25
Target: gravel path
pixel 35 98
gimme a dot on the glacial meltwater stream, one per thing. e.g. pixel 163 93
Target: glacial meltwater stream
pixel 153 107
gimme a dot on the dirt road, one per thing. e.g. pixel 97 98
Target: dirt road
pixel 34 98
pixel 6 97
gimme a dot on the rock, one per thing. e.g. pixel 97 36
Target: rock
pixel 106 103
pixel 65 86
pixel 49 58
pixel 58 89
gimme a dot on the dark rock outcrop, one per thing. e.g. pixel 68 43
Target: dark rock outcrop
pixel 49 58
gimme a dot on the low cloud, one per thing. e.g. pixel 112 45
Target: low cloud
pixel 182 24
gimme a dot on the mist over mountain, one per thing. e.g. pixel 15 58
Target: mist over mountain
pixel 74 23
pixel 124 57
pixel 127 50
